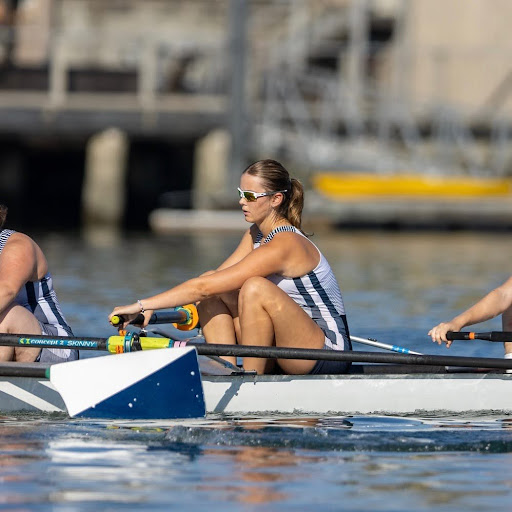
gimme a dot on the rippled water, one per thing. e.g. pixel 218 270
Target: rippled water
pixel 396 286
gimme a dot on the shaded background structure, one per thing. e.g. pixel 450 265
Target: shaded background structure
pixel 177 96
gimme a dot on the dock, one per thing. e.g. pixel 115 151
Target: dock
pixel 412 213
pixel 369 200
pixel 357 213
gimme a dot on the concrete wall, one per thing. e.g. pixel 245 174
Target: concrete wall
pixel 456 53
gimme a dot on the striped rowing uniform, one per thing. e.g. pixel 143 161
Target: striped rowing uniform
pixel 40 299
pixel 319 295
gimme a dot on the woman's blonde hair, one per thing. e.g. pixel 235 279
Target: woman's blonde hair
pixel 276 178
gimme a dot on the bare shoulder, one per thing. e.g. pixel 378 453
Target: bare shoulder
pixel 20 246
pixel 19 240
pixel 291 238
pixel 297 249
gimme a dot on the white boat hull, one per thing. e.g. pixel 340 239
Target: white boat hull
pixel 340 394
pixel 26 394
pixel 359 394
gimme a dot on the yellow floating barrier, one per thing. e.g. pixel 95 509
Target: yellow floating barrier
pixel 341 185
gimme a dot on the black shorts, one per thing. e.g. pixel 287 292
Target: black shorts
pixel 325 367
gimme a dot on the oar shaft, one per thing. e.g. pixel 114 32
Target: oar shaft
pixel 498 336
pixel 210 349
pixel 119 344
pixel 43 341
pixel 385 346
pixel 14 369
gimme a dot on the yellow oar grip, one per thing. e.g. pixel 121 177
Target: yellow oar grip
pixel 115 320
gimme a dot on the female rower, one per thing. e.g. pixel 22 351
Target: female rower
pixel 28 303
pixel 497 302
pixel 276 288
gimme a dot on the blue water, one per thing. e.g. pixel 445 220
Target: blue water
pixel 351 463
pixel 396 286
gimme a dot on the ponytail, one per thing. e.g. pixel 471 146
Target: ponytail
pixel 291 207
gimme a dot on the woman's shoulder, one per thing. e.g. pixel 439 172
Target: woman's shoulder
pixel 23 244
pixel 22 247
pixel 16 237
pixel 286 234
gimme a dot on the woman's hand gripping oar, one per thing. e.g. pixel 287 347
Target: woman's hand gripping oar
pixel 184 318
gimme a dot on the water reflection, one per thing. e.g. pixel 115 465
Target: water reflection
pixel 259 473
pixel 367 461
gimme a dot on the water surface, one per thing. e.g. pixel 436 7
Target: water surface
pixel 395 285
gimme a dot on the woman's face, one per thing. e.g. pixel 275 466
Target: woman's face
pixel 259 210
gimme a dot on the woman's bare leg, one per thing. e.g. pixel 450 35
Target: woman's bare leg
pixel 17 319
pixel 268 317
pixel 219 320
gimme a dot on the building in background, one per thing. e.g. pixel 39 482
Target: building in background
pixel 380 86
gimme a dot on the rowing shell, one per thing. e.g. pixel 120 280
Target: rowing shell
pixel 178 384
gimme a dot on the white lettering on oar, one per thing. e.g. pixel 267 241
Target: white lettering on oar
pixel 58 343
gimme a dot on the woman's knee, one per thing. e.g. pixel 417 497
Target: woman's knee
pixel 17 319
pixel 8 318
pixel 254 286
pixel 258 290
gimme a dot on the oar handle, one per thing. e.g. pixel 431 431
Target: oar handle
pixel 185 318
pixel 499 336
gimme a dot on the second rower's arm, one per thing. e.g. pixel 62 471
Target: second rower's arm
pixel 493 304
pixel 266 260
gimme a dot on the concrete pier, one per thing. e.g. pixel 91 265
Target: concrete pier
pixel 103 194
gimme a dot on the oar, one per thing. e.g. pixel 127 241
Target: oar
pixel 132 343
pixel 139 385
pixel 499 336
pixel 184 318
pixel 210 349
pixel 16 340
pixel 374 343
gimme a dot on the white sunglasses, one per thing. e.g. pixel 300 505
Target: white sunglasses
pixel 251 196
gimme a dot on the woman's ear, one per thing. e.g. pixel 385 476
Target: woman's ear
pixel 277 199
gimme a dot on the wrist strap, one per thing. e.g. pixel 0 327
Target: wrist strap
pixel 142 310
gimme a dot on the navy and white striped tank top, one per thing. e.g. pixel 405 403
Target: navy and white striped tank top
pixel 39 297
pixel 317 293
